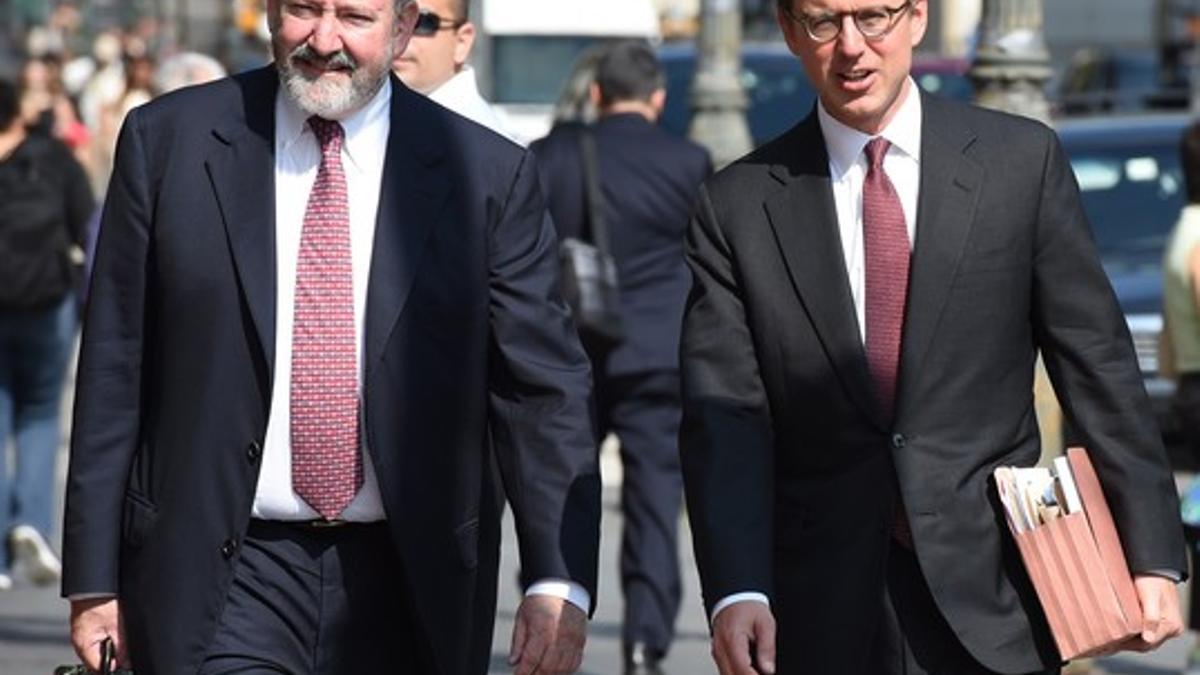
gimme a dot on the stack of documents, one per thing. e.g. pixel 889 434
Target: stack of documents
pixel 1069 543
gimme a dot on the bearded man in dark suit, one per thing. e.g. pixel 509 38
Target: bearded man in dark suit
pixel 320 304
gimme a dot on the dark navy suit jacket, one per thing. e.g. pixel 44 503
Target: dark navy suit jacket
pixel 650 179
pixel 466 339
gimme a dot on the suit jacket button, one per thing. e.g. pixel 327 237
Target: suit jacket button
pixel 253 451
pixel 899 441
pixel 229 548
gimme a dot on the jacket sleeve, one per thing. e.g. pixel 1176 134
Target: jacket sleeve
pixel 108 397
pixel 1089 356
pixel 540 395
pixel 726 442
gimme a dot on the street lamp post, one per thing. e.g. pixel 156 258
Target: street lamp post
pixel 718 102
pixel 1012 65
pixel 1010 71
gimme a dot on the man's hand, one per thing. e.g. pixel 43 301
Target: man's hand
pixel 91 622
pixel 548 637
pixel 738 629
pixel 1161 619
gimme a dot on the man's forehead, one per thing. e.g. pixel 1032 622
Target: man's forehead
pixel 344 5
pixel 831 6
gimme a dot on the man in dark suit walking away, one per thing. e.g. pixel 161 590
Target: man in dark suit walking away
pixel 871 292
pixel 648 179
pixel 320 304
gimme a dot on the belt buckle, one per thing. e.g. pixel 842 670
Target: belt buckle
pixel 322 524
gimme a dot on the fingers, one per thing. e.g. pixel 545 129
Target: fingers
pixel 532 656
pixel 764 640
pixel 517 649
pixel 732 654
pixel 1161 618
pixel 743 633
pixel 93 621
pixel 554 633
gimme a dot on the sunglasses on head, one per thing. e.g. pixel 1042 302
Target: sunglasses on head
pixel 429 23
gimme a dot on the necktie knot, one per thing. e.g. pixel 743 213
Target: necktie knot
pixel 876 150
pixel 329 133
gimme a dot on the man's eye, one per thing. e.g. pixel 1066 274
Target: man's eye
pixel 302 10
pixel 358 20
pixel 872 18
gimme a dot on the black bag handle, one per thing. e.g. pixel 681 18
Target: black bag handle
pixel 595 196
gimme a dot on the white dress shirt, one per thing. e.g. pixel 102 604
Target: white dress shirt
pixel 297 156
pixel 461 94
pixel 847 170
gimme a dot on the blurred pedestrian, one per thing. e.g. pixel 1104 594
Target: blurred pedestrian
pixel 1179 354
pixel 321 306
pixel 44 202
pixel 871 292
pixel 649 180
pixel 435 62
pixel 185 69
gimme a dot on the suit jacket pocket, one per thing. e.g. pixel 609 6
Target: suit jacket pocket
pixel 466 536
pixel 139 516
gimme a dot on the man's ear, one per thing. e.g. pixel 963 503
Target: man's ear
pixel 658 101
pixel 464 39
pixel 793 32
pixel 594 95
pixel 404 26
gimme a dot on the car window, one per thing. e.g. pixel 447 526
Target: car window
pixel 1132 197
pixel 777 92
pixel 532 68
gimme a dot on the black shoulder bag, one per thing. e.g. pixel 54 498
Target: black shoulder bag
pixel 589 273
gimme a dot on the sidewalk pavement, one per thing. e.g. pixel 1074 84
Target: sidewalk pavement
pixel 34 628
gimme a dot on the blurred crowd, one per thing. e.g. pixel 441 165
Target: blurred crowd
pixel 78 88
pixel 61 107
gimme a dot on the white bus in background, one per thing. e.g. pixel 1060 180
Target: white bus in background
pixel 526 48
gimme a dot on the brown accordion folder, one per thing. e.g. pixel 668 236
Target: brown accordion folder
pixel 1068 541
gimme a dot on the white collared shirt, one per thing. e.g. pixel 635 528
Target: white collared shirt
pixel 848 169
pixel 297 156
pixel 461 94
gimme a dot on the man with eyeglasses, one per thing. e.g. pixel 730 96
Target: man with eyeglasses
pixel 435 62
pixel 870 293
pixel 324 310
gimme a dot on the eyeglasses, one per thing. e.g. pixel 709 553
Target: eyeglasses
pixel 874 22
pixel 429 23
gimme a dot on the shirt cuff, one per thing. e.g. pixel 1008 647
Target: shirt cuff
pixel 561 588
pixel 751 596
pixel 77 597
pixel 1173 575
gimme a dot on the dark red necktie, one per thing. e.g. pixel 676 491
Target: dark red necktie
pixel 887 252
pixel 327 466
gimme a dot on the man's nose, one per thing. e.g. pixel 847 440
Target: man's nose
pixel 326 37
pixel 850 41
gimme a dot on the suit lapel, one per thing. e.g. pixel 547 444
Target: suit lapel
pixel 416 184
pixel 804 219
pixel 241 170
pixel 949 193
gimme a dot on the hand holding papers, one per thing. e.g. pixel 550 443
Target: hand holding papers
pixel 1069 544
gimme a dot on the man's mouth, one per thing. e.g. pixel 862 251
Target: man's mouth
pixel 855 75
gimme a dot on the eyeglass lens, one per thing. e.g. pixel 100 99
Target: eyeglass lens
pixel 872 22
pixel 428 23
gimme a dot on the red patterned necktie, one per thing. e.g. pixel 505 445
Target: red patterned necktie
pixel 886 249
pixel 326 463
pixel 887 252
